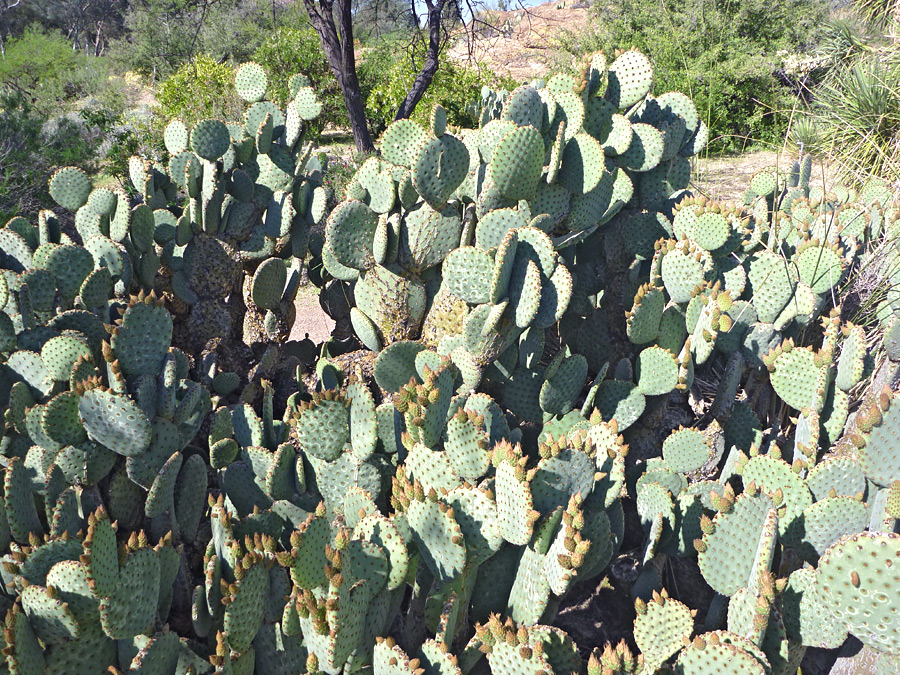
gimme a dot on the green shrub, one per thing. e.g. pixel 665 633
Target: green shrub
pixel 44 69
pixel 724 55
pixel 37 65
pixel 31 146
pixel 199 89
pixel 298 50
pixel 454 86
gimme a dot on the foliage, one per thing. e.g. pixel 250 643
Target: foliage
pixel 724 55
pixel 298 50
pixel 389 78
pixel 533 305
pixel 161 35
pixel 38 65
pixel 52 78
pixel 30 146
pixel 857 111
pixel 882 14
pixel 199 89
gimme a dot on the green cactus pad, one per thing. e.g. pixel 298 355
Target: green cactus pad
pixel 322 429
pixel 176 137
pixel 494 226
pixel 143 339
pixel 682 272
pixel 686 450
pixel 771 284
pixel 819 267
pixel 841 474
pixel 878 458
pixel 523 107
pixel 854 579
pixel 439 538
pixel 210 139
pixel 525 292
pixel 381 531
pixel 306 103
pixel 350 232
pixel 61 422
pixel 467 273
pixel 643 322
pixel 440 165
pixel 661 629
pixel 115 422
pixel 656 371
pixel 645 151
pixel 620 401
pixel 59 355
pixel 268 283
pixel 630 79
pixel 583 165
pixel 796 378
pixel 130 609
pixel 400 141
pixel 516 163
pixel 162 491
pixel 514 505
pixel 729 550
pixel 250 82
pixel 764 182
pixel 826 521
pixel 70 187
pixel 465 444
pixel 718 657
pixel 851 362
pixel 561 388
pixel 771 474
pixel 805 620
pixel 244 612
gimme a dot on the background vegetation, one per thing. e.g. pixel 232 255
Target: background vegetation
pixel 86 83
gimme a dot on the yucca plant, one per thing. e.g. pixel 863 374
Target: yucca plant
pixel 882 14
pixel 859 112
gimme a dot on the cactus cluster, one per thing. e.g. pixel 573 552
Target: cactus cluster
pixel 557 339
pixel 236 200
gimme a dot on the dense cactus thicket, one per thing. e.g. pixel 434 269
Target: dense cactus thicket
pixel 563 359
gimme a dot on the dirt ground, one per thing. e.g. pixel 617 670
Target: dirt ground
pixel 311 319
pixel 726 178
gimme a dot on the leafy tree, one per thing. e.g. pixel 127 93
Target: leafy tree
pixel 292 50
pixel 335 22
pixel 36 63
pixel 88 25
pixel 161 35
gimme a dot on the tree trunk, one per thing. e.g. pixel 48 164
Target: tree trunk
pixel 429 68
pixel 337 43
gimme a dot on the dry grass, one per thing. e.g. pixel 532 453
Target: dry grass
pixel 727 178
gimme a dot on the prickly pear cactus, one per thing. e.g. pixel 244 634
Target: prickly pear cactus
pixel 580 386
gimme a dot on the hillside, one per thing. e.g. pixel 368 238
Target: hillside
pixel 520 43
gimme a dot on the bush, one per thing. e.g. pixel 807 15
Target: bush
pixel 31 146
pixel 454 87
pixel 298 50
pixel 37 65
pixel 857 114
pixel 724 55
pixel 199 89
pixel 43 68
